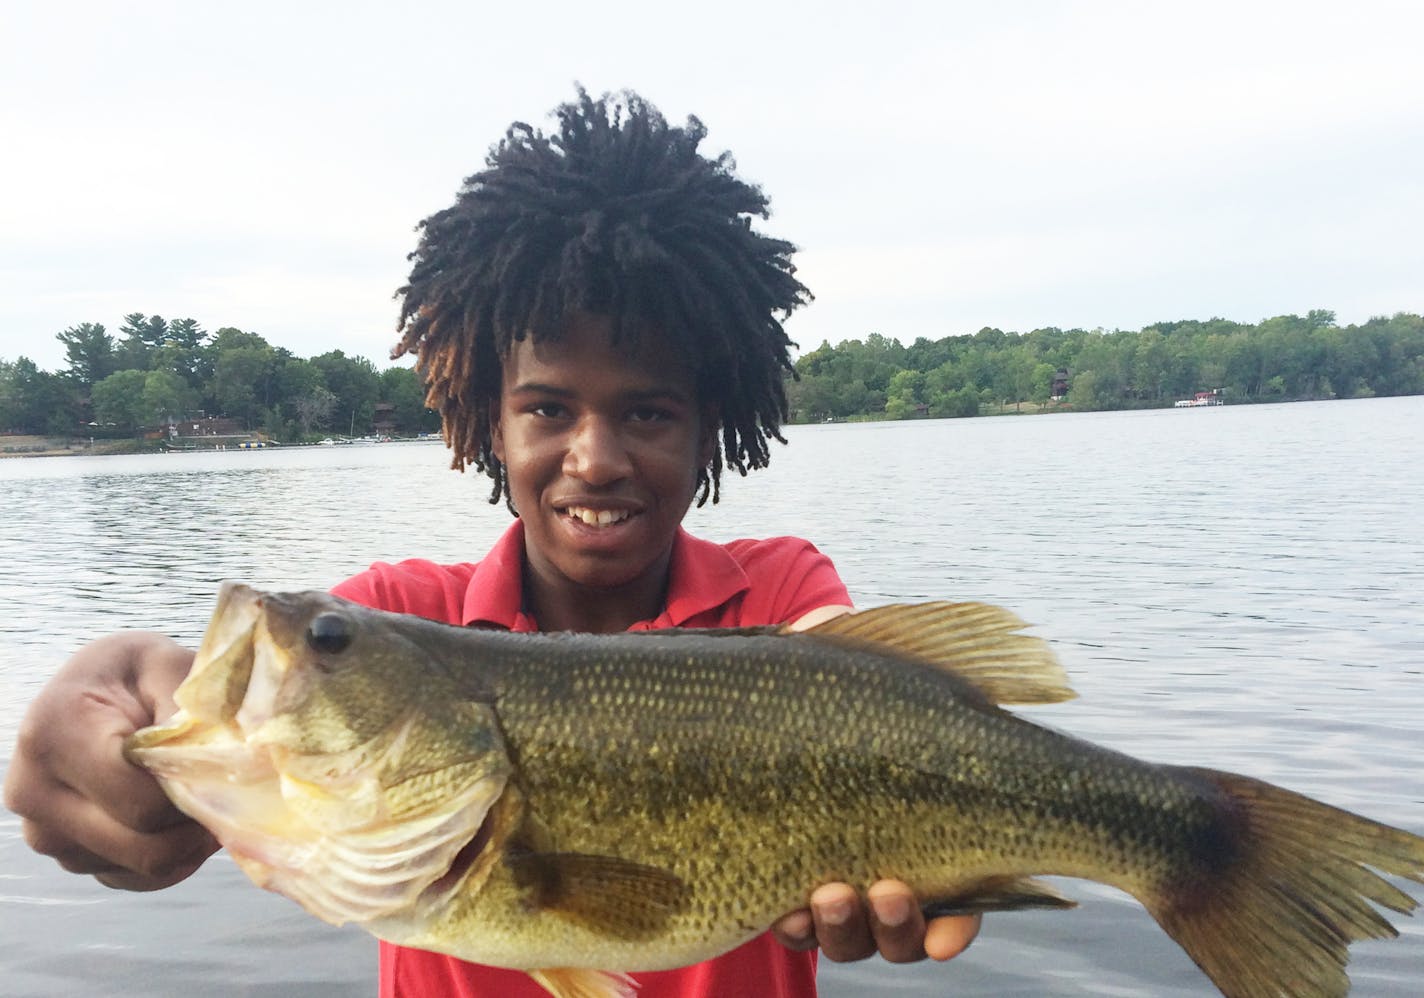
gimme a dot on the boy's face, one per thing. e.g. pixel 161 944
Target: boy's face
pixel 601 449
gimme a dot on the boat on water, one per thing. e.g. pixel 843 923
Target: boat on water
pixel 1200 399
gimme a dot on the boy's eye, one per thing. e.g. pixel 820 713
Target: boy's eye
pixel 649 414
pixel 549 410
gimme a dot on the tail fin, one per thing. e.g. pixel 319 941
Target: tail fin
pixel 1293 897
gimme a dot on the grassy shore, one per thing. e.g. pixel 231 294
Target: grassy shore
pixel 22 445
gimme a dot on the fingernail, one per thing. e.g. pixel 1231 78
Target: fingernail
pixel 835 913
pixel 799 927
pixel 893 911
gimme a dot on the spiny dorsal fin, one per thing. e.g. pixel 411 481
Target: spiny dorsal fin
pixel 613 896
pixel 973 641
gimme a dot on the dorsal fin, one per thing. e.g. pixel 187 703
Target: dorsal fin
pixel 973 641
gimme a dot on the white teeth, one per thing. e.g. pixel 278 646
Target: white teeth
pixel 597 517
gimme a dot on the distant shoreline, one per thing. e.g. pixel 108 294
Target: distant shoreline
pixel 38 445
pixel 33 445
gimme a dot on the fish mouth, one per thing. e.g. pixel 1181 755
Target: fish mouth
pixel 317 828
pixel 214 689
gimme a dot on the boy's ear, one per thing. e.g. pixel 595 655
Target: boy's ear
pixel 496 431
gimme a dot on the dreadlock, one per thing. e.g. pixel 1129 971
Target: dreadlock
pixel 614 214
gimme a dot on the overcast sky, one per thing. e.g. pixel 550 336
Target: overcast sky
pixel 942 165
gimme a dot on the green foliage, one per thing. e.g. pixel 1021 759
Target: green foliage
pixel 402 388
pixel 243 382
pixel 355 385
pixel 1042 384
pixel 182 353
pixel 118 400
pixel 305 399
pixel 1281 358
pixel 165 396
pixel 142 335
pixel 960 402
pixel 89 350
pixel 159 369
pixel 35 401
pixel 905 394
pixel 9 405
pixel 1085 393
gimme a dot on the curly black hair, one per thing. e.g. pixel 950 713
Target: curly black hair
pixel 615 214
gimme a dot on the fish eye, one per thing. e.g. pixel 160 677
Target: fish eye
pixel 330 633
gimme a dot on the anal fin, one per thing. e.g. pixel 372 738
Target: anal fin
pixel 998 894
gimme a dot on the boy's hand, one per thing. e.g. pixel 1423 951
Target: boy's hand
pixel 79 799
pixel 888 923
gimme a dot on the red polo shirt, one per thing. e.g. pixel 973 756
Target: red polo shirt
pixel 744 583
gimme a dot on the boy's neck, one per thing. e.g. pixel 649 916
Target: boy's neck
pixel 565 606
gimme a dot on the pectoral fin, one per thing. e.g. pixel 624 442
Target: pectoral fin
pixel 612 896
pixel 572 982
pixel 998 894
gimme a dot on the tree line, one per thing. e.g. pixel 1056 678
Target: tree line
pixel 156 371
pixel 1288 357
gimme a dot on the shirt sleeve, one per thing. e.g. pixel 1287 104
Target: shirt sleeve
pixel 414 586
pixel 789 577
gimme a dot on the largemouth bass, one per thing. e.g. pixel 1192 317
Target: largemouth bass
pixel 581 806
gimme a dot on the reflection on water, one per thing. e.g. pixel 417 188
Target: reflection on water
pixel 1236 587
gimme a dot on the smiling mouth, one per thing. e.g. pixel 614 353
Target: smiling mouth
pixel 596 517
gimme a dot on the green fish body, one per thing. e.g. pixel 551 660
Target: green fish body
pixel 578 806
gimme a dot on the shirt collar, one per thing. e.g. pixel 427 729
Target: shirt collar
pixel 702 577
pixel 495 593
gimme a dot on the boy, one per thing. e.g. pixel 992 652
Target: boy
pixel 597 323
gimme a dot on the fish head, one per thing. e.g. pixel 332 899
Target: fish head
pixel 334 757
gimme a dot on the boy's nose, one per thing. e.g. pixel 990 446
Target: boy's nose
pixel 597 454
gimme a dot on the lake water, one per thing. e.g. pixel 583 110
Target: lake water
pixel 1241 588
